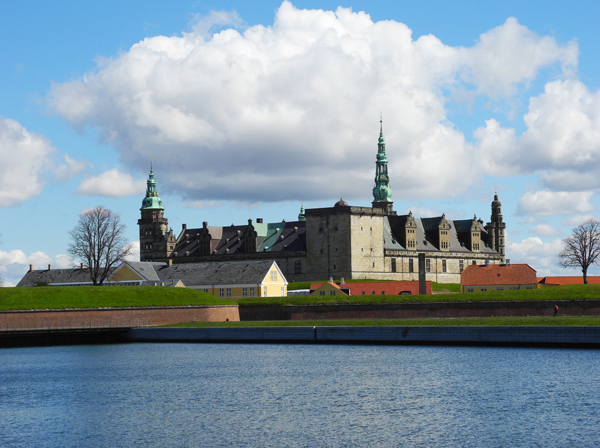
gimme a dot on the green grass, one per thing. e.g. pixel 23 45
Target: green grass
pixel 59 297
pixel 445 287
pixel 570 292
pixel 475 321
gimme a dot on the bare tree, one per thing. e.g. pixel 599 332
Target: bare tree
pixel 99 242
pixel 582 248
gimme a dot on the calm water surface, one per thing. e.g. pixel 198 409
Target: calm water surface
pixel 229 395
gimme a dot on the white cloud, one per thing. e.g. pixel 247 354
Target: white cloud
pixel 202 204
pixel 25 156
pixel 576 220
pixel 511 54
pixel 15 263
pixel 562 140
pixel 539 255
pixel 284 112
pixel 549 203
pixel 134 255
pixel 70 169
pixel 545 230
pixel 111 183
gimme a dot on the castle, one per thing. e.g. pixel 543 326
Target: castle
pixel 342 241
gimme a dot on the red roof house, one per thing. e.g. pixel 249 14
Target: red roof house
pixel 498 277
pixel 372 288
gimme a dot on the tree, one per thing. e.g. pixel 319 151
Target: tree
pixel 582 248
pixel 99 242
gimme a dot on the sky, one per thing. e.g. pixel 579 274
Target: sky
pixel 251 109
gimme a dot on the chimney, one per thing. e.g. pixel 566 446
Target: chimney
pixel 507 262
pixel 259 220
pixel 169 262
pixel 30 268
pixel 342 281
pixel 331 279
pixel 81 266
pixel 49 267
pixel 487 263
pixel 183 226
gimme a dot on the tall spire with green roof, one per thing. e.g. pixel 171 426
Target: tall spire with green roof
pixel 151 201
pixel 382 191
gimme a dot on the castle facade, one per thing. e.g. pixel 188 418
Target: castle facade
pixel 340 241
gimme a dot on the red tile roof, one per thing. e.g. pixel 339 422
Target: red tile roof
pixel 379 288
pixel 578 280
pixel 515 274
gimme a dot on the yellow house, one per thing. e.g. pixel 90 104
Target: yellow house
pixel 234 280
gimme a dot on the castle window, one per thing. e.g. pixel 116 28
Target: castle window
pixel 334 267
pixel 411 265
pixel 461 265
pixel 428 265
pixel 373 264
pixel 298 267
pixel 393 265
pixel 474 262
pixel 443 265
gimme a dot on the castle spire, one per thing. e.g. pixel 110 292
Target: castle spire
pixel 151 201
pixel 382 191
pixel 301 215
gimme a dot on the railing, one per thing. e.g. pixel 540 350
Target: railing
pixel 76 324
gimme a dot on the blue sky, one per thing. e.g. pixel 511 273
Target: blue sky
pixel 251 109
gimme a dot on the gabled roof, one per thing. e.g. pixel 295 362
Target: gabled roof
pixel 57 277
pixel 576 280
pixel 145 269
pixel 218 273
pixel 515 274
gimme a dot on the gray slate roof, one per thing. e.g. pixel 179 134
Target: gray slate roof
pixel 56 277
pixel 217 273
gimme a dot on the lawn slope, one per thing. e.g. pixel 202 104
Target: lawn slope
pixel 60 297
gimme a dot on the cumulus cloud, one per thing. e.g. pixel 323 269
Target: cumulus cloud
pixel 134 247
pixel 545 230
pixel 202 204
pixel 539 255
pixel 284 112
pixel 15 263
pixel 576 220
pixel 70 168
pixel 112 183
pixel 562 140
pixel 24 155
pixel 549 203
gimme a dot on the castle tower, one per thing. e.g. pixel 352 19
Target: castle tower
pixel 156 239
pixel 496 227
pixel 382 192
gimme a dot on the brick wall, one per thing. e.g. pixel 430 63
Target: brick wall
pixel 103 317
pixel 420 310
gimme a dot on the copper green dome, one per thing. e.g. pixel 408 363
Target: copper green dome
pixel 151 201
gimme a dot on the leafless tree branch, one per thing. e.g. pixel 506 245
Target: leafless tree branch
pixel 582 248
pixel 98 240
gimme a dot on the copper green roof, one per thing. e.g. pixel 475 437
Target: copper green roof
pixel 151 201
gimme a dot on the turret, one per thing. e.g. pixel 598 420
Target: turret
pixel 156 239
pixel 496 228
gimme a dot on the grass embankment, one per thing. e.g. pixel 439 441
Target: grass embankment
pixel 59 297
pixel 570 292
pixel 474 321
pixel 435 287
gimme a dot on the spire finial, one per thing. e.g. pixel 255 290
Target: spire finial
pixel 151 162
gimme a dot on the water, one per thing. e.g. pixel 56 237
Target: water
pixel 230 395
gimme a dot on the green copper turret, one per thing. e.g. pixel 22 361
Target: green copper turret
pixel 301 215
pixel 151 201
pixel 382 191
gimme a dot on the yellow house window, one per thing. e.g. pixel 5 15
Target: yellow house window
pixel 252 291
pixel 265 291
pixel 273 276
pixel 244 292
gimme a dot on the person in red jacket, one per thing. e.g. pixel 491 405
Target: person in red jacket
pixel 555 310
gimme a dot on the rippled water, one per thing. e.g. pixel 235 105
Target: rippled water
pixel 298 395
